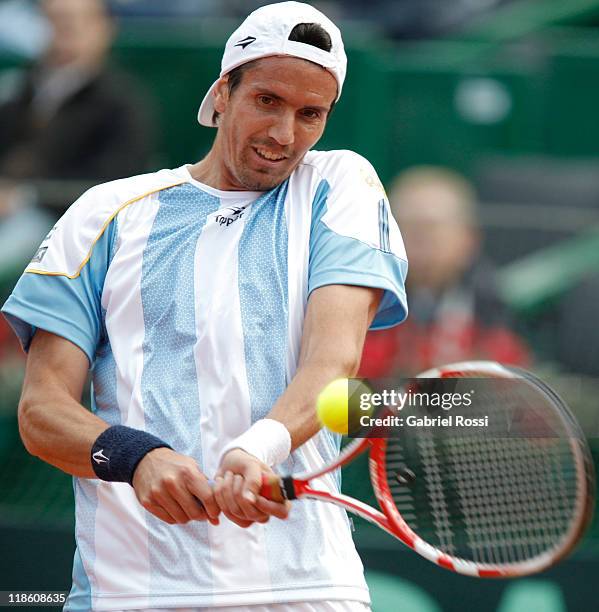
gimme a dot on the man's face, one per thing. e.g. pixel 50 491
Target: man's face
pixel 270 120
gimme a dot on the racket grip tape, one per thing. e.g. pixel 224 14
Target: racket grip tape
pixel 277 489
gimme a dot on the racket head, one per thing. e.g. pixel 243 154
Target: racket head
pixel 483 503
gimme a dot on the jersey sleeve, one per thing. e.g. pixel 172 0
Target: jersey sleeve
pixel 61 288
pixel 354 239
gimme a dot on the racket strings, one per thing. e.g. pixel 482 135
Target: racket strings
pixel 436 492
pixel 501 494
pixel 509 513
pixel 402 496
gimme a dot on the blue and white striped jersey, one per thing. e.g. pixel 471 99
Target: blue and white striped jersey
pixel 189 303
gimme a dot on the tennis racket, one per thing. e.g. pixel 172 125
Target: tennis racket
pixel 505 500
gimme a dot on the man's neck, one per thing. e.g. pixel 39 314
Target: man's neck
pixel 211 171
pixel 206 171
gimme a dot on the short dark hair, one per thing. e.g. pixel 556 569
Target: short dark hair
pixel 308 33
pixel 311 34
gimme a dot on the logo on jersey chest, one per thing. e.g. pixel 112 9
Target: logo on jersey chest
pixel 230 215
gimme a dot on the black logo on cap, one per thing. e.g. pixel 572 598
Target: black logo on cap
pixel 244 42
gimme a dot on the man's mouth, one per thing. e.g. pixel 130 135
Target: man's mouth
pixel 269 155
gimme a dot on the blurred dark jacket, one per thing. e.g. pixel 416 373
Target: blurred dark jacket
pixel 101 129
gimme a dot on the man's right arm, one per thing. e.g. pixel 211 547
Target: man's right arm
pixel 53 424
pixel 56 428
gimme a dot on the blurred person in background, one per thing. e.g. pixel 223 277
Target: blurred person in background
pixel 67 121
pixel 70 117
pixel 456 312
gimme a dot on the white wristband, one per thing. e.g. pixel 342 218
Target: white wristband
pixel 267 439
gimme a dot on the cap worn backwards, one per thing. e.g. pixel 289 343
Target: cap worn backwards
pixel 265 32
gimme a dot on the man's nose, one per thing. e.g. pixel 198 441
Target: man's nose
pixel 282 130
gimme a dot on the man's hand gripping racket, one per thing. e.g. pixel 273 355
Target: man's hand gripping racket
pixel 476 500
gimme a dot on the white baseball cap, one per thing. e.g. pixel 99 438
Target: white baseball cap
pixel 265 32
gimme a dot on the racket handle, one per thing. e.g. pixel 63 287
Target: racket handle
pixel 272 488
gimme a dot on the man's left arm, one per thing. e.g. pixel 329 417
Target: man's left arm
pixel 337 319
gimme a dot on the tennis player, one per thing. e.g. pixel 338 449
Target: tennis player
pixel 212 303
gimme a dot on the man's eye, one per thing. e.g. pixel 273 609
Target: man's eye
pixel 265 100
pixel 311 114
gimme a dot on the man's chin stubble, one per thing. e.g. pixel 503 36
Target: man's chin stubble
pixel 265 183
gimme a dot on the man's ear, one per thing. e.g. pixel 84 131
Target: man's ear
pixel 221 94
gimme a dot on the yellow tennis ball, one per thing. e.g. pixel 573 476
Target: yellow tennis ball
pixel 339 404
pixel 331 406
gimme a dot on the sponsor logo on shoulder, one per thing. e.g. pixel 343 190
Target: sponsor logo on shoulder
pixel 100 457
pixel 372 180
pixel 39 254
pixel 49 235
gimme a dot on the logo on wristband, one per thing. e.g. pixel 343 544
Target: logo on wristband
pixel 100 457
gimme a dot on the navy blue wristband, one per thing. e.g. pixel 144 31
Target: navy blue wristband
pixel 118 450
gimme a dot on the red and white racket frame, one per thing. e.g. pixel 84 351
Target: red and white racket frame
pixel 391 520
